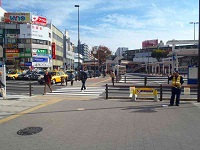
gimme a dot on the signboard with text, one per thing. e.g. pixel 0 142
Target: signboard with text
pixel 34 32
pixel 150 43
pixel 53 50
pixel 17 17
pixel 39 20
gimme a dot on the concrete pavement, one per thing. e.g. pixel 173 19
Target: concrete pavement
pixel 100 124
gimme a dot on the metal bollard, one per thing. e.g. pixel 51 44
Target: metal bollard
pixel 30 89
pixel 106 91
pixel 161 92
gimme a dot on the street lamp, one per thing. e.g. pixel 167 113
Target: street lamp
pixel 78 38
pixel 194 27
pixel 198 94
pixel 94 52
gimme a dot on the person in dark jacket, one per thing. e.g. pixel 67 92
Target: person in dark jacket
pixel 83 78
pixel 47 82
pixel 177 82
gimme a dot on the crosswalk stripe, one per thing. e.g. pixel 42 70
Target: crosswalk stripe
pixel 76 91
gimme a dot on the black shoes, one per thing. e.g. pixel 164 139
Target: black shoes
pixel 173 105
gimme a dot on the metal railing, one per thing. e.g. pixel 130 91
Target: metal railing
pixel 123 91
pixel 20 88
pixel 145 79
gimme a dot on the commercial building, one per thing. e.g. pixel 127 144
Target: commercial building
pixel 29 41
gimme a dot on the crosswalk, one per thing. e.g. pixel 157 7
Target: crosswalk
pixel 75 91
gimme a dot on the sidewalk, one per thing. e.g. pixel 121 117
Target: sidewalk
pixel 115 125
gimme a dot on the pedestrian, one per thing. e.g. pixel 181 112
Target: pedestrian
pixel 83 78
pixel 177 81
pixel 2 86
pixel 47 82
pixel 71 77
pixel 112 75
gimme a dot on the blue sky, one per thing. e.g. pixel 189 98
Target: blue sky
pixel 116 23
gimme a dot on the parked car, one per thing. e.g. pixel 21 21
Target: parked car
pixel 70 74
pixel 31 76
pixel 89 74
pixel 97 73
pixel 21 76
pixel 13 74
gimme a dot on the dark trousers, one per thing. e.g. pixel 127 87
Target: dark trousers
pixel 83 84
pixel 175 92
pixel 113 80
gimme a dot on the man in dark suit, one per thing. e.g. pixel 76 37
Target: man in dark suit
pixel 83 78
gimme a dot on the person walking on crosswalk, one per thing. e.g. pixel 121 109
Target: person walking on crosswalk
pixel 47 81
pixel 83 78
pixel 112 75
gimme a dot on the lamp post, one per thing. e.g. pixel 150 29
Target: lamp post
pixel 198 94
pixel 78 38
pixel 194 27
pixel 94 52
pixel 23 50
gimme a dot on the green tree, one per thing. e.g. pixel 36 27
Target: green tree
pixel 102 53
pixel 159 54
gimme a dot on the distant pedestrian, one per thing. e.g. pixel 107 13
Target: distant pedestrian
pixel 177 81
pixel 112 75
pixel 83 78
pixel 47 82
pixel 2 91
pixel 1 83
pixel 71 77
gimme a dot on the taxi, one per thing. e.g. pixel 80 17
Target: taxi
pixel 13 75
pixel 57 76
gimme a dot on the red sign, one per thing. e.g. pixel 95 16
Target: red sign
pixel 39 20
pixel 53 47
pixel 150 43
pixel 12 51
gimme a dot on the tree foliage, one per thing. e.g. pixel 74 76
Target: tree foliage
pixel 159 54
pixel 102 53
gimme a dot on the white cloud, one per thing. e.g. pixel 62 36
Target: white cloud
pixel 117 23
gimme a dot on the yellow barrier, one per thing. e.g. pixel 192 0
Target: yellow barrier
pixel 144 91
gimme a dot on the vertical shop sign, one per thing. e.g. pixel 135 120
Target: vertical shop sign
pixel 53 50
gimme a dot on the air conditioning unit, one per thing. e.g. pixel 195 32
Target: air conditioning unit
pixel 2 19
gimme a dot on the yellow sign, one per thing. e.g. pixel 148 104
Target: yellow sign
pixel 187 90
pixel 145 91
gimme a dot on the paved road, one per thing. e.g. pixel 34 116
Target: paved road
pixel 71 122
pixel 99 124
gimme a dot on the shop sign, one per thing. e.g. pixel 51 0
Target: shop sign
pixel 28 64
pixel 42 51
pixel 39 20
pixel 38 59
pixel 24 55
pixel 53 50
pixel 17 17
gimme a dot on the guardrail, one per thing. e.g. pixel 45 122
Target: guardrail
pixel 145 79
pixel 123 91
pixel 22 88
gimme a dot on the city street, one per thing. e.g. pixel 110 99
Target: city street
pixel 87 121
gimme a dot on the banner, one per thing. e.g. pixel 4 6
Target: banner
pixel 53 50
pixel 17 17
pixel 39 20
